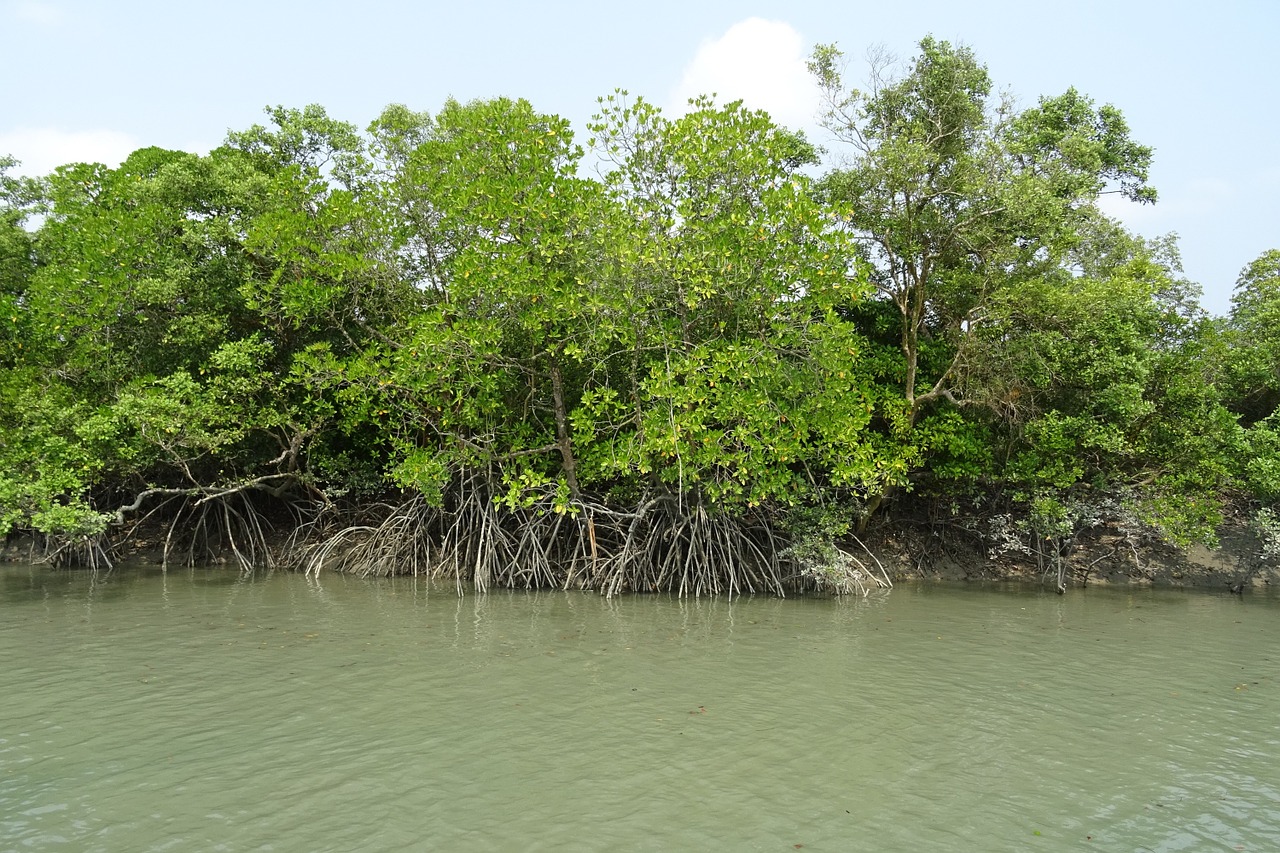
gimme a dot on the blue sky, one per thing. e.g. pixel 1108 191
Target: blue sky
pixel 1198 81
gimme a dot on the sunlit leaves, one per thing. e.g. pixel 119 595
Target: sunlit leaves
pixel 456 296
pixel 747 385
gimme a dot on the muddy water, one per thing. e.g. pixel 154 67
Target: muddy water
pixel 208 711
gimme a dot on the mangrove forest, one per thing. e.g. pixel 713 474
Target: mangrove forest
pixel 702 353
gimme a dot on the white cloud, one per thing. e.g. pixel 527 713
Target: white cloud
pixel 42 14
pixel 41 150
pixel 760 62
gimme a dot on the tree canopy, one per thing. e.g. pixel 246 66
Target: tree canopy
pixel 441 344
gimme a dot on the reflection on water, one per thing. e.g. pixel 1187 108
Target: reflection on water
pixel 214 711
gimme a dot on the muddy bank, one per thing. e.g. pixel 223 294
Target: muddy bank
pixel 913 551
pixel 1098 557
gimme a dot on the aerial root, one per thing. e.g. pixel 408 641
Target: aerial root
pixel 471 540
pixel 205 529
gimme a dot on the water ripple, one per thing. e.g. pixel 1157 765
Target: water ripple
pixel 208 711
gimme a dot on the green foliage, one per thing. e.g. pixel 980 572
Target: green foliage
pixel 52 448
pixel 955 202
pixel 745 382
pixel 147 314
pixel 1079 150
pixel 1098 384
pixel 1253 327
pixel 702 340
pixel 512 239
pixel 19 198
pixel 1260 462
pixel 1266 525
pixel 139 271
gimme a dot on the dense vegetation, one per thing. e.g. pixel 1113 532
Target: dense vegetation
pixel 463 344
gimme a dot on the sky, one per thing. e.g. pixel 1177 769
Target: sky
pixel 92 81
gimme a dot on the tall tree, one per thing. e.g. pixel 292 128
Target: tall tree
pixel 1254 324
pixel 733 280
pixel 1103 394
pixel 953 196
pixel 162 330
pixel 19 198
pixel 1253 378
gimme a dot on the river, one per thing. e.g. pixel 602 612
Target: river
pixel 206 710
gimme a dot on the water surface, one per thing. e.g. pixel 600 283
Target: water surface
pixel 205 710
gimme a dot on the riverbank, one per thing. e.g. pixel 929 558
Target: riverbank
pixel 1099 556
pixel 917 551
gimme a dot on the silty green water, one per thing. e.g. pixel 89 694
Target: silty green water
pixel 208 711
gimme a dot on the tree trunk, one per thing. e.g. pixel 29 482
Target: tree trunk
pixel 568 462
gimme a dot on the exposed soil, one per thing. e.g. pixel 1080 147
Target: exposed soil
pixel 946 554
pixel 1098 557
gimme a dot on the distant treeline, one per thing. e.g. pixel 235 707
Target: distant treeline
pixel 665 357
